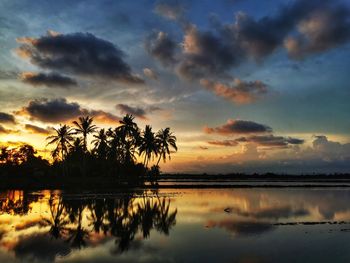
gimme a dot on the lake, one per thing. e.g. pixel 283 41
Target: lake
pixel 177 225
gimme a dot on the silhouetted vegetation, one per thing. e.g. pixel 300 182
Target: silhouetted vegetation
pixel 112 152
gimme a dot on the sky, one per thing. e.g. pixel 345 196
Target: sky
pixel 245 85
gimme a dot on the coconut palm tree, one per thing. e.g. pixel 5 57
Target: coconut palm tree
pixel 100 144
pixel 165 141
pixel 148 145
pixel 62 139
pixel 85 127
pixel 129 128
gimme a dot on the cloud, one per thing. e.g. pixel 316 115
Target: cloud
pixel 172 10
pixel 322 30
pixel 322 25
pixel 101 116
pixel 7 118
pixel 230 143
pixel 52 110
pixel 60 110
pixel 271 140
pixel 240 92
pixel 330 150
pixel 149 73
pixel 206 54
pixel 136 111
pixel 48 79
pixel 4 130
pixel 78 53
pixel 233 127
pixel 162 47
pixel 36 129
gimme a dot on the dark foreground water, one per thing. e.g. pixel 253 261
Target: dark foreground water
pixel 186 225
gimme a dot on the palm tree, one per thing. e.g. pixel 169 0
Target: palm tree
pixel 62 139
pixel 129 128
pixel 148 144
pixel 85 127
pixel 100 144
pixel 165 140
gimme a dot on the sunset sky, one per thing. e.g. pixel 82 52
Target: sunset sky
pixel 245 85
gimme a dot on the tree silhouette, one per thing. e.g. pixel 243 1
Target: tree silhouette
pixel 100 144
pixel 62 139
pixel 148 145
pixel 165 140
pixel 84 127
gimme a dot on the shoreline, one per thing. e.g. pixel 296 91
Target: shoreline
pixel 182 181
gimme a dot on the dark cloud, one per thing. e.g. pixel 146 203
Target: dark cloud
pixel 239 127
pixel 271 140
pixel 240 92
pixel 321 24
pixel 162 47
pixel 78 53
pixel 206 54
pixel 136 111
pixel 60 110
pixel 229 143
pixel 36 129
pixel 172 10
pixel 48 79
pixel 7 118
pixel 55 110
pixel 320 31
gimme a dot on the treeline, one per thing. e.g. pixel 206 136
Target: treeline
pixel 112 152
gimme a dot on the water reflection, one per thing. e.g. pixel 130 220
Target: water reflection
pixel 71 223
pixel 220 225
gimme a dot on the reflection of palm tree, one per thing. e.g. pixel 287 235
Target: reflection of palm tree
pixel 62 139
pixel 84 127
pixel 58 221
pixel 148 145
pixel 165 220
pixel 97 215
pixel 77 234
pixel 148 211
pixel 165 139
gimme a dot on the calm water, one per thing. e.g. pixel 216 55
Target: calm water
pixel 206 225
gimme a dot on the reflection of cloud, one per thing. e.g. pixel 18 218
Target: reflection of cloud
pixel 241 228
pixel 40 247
pixel 270 212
